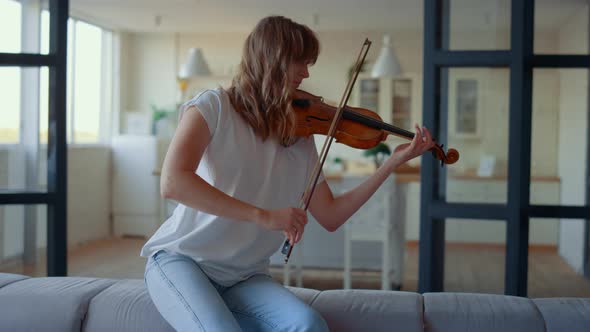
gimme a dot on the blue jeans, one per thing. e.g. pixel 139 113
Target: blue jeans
pixel 190 301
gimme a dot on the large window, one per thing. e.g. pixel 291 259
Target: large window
pixel 85 109
pixel 10 42
pixel 87 67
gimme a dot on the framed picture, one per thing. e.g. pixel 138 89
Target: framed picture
pixel 464 106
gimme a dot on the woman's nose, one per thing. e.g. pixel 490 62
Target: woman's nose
pixel 305 72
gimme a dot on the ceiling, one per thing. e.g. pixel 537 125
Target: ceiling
pixel 187 16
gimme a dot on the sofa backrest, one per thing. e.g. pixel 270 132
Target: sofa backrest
pixel 93 304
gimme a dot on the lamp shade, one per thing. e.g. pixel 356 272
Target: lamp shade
pixel 386 64
pixel 195 65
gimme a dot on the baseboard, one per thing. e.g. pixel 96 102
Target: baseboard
pixel 143 226
pixel 552 248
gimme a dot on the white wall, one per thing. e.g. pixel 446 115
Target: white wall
pixel 89 193
pixel 573 120
pixel 89 190
pixel 152 62
pixel 148 77
pixel 328 79
pixel 155 57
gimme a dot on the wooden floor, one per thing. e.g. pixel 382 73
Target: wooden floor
pixel 467 269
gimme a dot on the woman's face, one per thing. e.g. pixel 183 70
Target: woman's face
pixel 297 73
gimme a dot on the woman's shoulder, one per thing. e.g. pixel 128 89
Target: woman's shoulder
pixel 207 98
pixel 207 95
pixel 212 104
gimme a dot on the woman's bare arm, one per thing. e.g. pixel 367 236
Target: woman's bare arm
pixel 180 183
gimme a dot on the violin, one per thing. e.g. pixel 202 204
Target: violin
pixel 358 128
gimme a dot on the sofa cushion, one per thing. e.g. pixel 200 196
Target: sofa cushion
pixel 125 306
pixel 480 312
pixel 47 304
pixel 565 314
pixel 370 310
pixel 9 278
pixel 305 294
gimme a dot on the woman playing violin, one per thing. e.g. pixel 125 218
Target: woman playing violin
pixel 238 171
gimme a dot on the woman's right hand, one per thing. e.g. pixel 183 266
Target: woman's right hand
pixel 291 221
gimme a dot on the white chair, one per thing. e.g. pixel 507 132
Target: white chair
pixel 378 221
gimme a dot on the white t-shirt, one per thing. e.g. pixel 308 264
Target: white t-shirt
pixel 237 162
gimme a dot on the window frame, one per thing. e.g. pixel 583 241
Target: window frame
pixel 108 110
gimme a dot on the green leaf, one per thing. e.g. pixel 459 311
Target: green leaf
pixel 379 148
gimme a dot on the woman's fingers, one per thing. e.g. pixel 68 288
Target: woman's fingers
pixel 289 237
pixel 422 141
pixel 429 141
pixel 427 134
pixel 300 225
pixel 417 138
pixel 419 133
pixel 296 225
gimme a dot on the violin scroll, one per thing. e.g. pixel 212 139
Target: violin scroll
pixel 448 158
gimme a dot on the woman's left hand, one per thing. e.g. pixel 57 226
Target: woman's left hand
pixel 421 143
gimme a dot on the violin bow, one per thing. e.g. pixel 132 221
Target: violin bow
pixel 287 247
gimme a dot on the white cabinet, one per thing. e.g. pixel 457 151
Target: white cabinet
pixel 136 204
pixel 396 100
pixel 378 218
pixel 377 221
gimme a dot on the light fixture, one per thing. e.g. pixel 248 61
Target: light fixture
pixel 386 64
pixel 195 66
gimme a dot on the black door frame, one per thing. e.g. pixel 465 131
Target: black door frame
pixel 56 195
pixel 521 60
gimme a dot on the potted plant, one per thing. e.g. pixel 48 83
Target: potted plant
pixel 378 153
pixel 338 164
pixel 163 120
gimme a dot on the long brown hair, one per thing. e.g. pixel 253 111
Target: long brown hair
pixel 260 90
